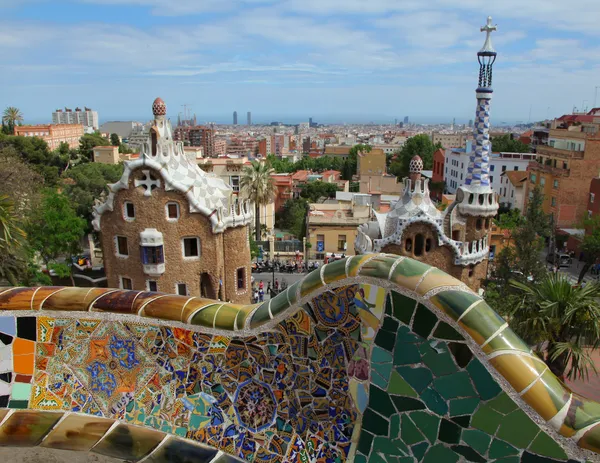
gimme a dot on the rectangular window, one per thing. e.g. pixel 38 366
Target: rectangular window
pixel 129 210
pixel 512 193
pixel 553 201
pixel 152 286
pixel 491 179
pixel 589 214
pixel 555 183
pixel 516 168
pixel 592 197
pixel 492 168
pixel 122 248
pixel 320 243
pixel 565 165
pixel 152 255
pixel 191 247
pixel 182 289
pixel 241 278
pixel 341 242
pixel 542 181
pixel 503 168
pixel 172 211
pixel 533 178
pixel 126 283
pixel 235 182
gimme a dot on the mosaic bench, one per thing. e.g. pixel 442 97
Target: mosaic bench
pixel 373 358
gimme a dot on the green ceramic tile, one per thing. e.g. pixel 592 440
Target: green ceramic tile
pixel 381 356
pixel 427 423
pixel 279 303
pixel 508 460
pixel 463 421
pixel 410 268
pixel 419 378
pixel 455 385
pixel 18 404
pixel 445 331
pixel 500 449
pixel 545 445
pixel 395 426
pixel 386 340
pixel 20 391
pixel 528 457
pixel 399 386
pixel 438 359
pixel 389 324
pixel 486 419
pixel 388 447
pixel 389 308
pixel 365 441
pixel 439 453
pixel 434 401
pixel 380 401
pixel 310 283
pixel 479 440
pixel 409 432
pixel 484 383
pixel 454 303
pixel 507 340
pixel 449 432
pixel 406 353
pixel 375 423
pixel 404 404
pixel 461 352
pixel 360 459
pixel 463 406
pixel 335 271
pixel 517 429
pixel 503 404
pixel 377 379
pixel 384 370
pixel 468 453
pixel 404 334
pixel 261 315
pixel 376 457
pixel 419 450
pixel 293 292
pixel 424 321
pixel 404 307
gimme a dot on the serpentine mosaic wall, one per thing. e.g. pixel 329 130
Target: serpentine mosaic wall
pixel 361 361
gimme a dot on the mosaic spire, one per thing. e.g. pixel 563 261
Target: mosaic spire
pixel 479 163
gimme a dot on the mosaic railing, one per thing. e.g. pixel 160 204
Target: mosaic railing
pixel 374 358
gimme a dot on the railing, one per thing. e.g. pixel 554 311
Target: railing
pixel 558 153
pixel 288 246
pixel 556 171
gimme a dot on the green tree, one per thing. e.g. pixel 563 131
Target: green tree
pixel 418 145
pixel 115 140
pixel 10 117
pixel 54 230
pixel 88 142
pixel 89 180
pixel 313 191
pixel 562 320
pixel 293 217
pixel 19 181
pixel 257 185
pixel 590 246
pixel 505 144
pixel 11 242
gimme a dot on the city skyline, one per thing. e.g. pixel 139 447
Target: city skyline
pixel 337 61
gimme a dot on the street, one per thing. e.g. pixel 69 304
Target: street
pixel 267 278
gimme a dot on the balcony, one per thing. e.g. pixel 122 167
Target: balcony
pixel 564 133
pixel 554 171
pixel 558 153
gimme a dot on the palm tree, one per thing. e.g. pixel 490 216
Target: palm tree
pixel 10 117
pixel 563 320
pixel 11 236
pixel 257 186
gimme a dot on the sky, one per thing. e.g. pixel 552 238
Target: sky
pixel 288 60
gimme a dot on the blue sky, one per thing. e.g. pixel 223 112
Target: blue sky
pixel 334 60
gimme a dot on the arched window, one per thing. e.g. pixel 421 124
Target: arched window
pixel 481 198
pixel 491 198
pixel 428 245
pixel 478 224
pixel 471 198
pixel 408 245
pixel 419 241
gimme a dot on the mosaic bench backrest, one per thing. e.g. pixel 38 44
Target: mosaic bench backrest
pixel 374 358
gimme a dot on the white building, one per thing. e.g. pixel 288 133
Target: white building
pixel 512 189
pixel 457 163
pixel 87 117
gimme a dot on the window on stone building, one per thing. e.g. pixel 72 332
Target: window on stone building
pixel 419 242
pixel 172 211
pixel 241 278
pixel 555 184
pixel 428 245
pixel 152 286
pixel 126 283
pixel 553 201
pixel 122 248
pixel 235 182
pixel 478 224
pixel 408 245
pixel 129 210
pixel 191 247
pixel 565 165
pixel 542 181
pixel 471 270
pixel 341 242
pixel 533 178
pixel 152 255
pixel 182 289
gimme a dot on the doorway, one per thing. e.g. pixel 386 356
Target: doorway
pixel 206 288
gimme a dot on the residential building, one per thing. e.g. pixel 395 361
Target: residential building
pixel 450 140
pixel 499 238
pixel 88 118
pixel 455 240
pixel 242 146
pixel 199 135
pixel 372 176
pixel 512 189
pixel 122 128
pixel 457 165
pixel 53 134
pixel 388 148
pixel 332 227
pixel 437 175
pixel 593 207
pixel 168 226
pixel 220 147
pixel 564 171
pixel 106 154
pixel 284 189
pixel 235 122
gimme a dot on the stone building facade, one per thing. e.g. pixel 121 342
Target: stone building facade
pixel 455 240
pixel 53 134
pixel 168 226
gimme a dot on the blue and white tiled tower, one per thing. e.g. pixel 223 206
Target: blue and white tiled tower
pixel 476 196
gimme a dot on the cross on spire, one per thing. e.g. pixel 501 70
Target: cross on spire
pixel 488 29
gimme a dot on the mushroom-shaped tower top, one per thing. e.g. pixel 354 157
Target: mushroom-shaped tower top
pixel 159 108
pixel 416 165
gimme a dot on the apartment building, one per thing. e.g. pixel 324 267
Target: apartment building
pixel 437 176
pixel 199 135
pixel 88 118
pixel 565 168
pixel 450 140
pixel 512 189
pixel 53 134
